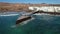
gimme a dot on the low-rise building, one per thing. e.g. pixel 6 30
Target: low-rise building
pixel 47 8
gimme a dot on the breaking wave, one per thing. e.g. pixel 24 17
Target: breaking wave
pixel 10 15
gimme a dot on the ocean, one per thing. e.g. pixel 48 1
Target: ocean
pixel 41 24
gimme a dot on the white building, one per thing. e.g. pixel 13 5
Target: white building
pixel 46 8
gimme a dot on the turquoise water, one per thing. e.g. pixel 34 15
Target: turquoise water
pixel 7 20
pixel 42 24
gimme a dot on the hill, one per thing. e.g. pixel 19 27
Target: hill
pixel 12 6
pixel 20 6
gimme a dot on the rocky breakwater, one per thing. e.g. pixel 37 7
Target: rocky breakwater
pixel 22 19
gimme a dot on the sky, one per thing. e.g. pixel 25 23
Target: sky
pixel 33 1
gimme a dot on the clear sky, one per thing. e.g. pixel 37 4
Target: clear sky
pixel 32 1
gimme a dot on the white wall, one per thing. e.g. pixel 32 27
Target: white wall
pixel 31 8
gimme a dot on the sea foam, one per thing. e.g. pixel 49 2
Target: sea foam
pixel 9 15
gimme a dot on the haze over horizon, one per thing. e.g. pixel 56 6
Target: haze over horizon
pixel 32 1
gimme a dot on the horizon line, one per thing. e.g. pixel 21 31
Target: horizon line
pixel 30 3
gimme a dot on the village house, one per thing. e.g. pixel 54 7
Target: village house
pixel 46 8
